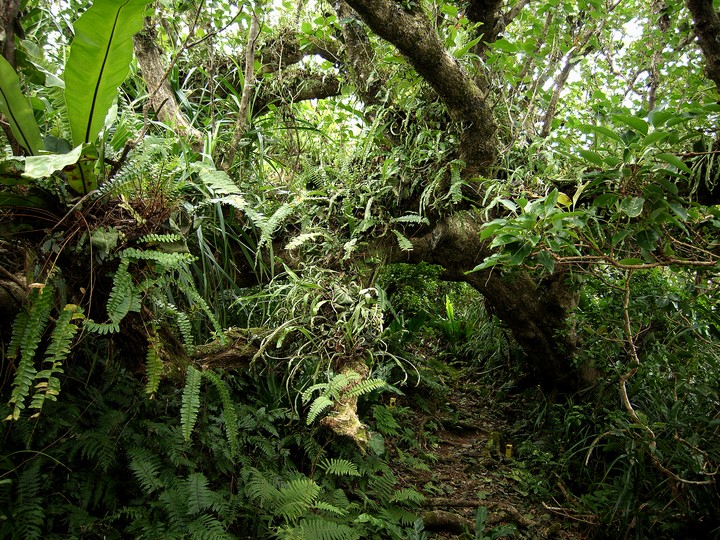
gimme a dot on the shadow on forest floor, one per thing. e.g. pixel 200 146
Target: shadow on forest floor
pixel 464 462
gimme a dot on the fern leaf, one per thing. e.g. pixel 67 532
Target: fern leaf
pixel 218 181
pixel 28 338
pixel 403 242
pixel 190 402
pixel 316 528
pixel 301 239
pixel 408 495
pixel 102 328
pixel 188 288
pixel 120 298
pixel 329 508
pixel 229 411
pixel 145 467
pixel 199 496
pixel 365 387
pixel 340 467
pixel 161 238
pixel 58 350
pixel 207 527
pixel 258 487
pixel 318 406
pixel 269 227
pixel 297 497
pixel 153 364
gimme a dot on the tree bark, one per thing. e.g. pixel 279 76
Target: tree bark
pixel 154 72
pixel 707 26
pixel 535 311
pixel 414 36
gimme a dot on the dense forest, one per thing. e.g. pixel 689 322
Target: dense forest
pixel 360 269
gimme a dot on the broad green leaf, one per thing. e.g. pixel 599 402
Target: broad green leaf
pixel 459 53
pixel 632 206
pixel 602 130
pixel 658 117
pixel 638 124
pixel 675 161
pixel 44 166
pixel 654 137
pixel 605 200
pixel 592 157
pixel 667 184
pixel 16 108
pixel 564 200
pixel 546 259
pixel 647 239
pixel 99 62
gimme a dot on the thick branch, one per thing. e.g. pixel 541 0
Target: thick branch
pixel 161 97
pixel 707 26
pixel 297 85
pixel 413 34
pixel 248 90
pixel 536 312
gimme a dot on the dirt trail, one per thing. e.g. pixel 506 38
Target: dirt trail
pixel 471 464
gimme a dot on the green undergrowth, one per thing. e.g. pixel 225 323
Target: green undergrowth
pixel 108 461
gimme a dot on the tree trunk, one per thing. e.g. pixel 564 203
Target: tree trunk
pixel 536 311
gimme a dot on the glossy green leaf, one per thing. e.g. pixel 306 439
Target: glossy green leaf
pixel 16 108
pixel 638 124
pixel 659 117
pixel 632 206
pixel 99 62
pixel 675 161
pixel 602 130
pixel 44 166
pixel 592 157
pixel 546 259
pixel 647 239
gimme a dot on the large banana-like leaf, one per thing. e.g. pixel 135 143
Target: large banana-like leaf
pixel 99 61
pixel 15 106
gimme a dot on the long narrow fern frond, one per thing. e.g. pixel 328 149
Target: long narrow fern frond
pixel 229 411
pixel 48 385
pixel 190 401
pixel 32 328
pixel 153 363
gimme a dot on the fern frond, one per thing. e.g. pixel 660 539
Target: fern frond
pixel 153 363
pixel 402 240
pixel 318 406
pixel 188 288
pixel 296 498
pixel 329 508
pixel 145 467
pixel 407 495
pixel 161 238
pixel 207 527
pixel 58 350
pixel 229 411
pixel 102 328
pixel 120 298
pixel 258 487
pixel 269 227
pixel 190 401
pixel 316 528
pixel 170 261
pixel 26 344
pixel 365 387
pixel 199 495
pixel 300 239
pixel 217 181
pixel 340 467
